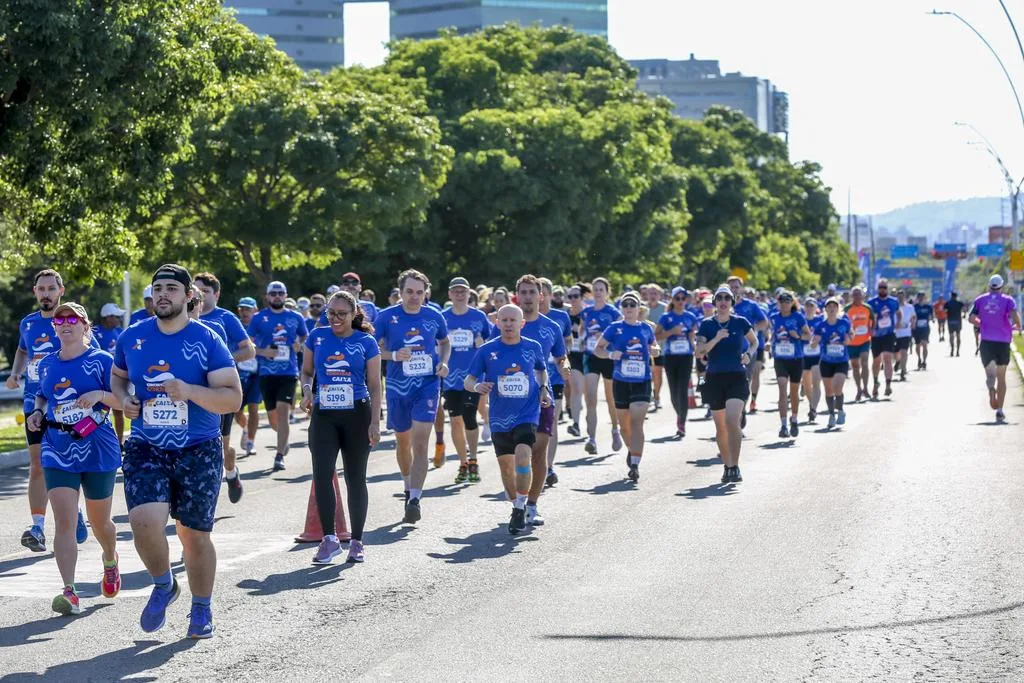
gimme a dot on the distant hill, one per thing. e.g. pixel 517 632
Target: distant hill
pixel 929 218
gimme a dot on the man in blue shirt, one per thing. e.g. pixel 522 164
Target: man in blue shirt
pixel 746 307
pixel 888 317
pixel 147 310
pixel 352 283
pixel 278 335
pixel 184 379
pixel 242 349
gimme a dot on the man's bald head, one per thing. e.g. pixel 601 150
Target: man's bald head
pixel 510 321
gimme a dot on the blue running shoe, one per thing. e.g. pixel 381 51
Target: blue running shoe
pixel 155 613
pixel 201 624
pixel 34 539
pixel 82 531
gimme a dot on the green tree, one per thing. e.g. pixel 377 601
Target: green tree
pixel 781 260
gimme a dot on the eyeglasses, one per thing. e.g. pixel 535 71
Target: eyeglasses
pixel 277 294
pixel 882 287
pixel 628 304
pixel 315 305
pixel 573 296
pixel 350 281
pixel 723 297
pixel 338 314
pixel 66 320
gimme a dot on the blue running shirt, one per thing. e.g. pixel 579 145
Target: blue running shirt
pixel 515 399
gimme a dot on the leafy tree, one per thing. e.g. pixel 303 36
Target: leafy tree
pixel 782 261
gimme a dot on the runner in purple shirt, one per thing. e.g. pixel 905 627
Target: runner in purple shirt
pixel 996 316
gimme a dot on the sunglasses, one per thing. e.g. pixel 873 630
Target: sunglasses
pixel 277 294
pixel 723 297
pixel 350 282
pixel 66 320
pixel 574 296
pixel 629 304
pixel 679 298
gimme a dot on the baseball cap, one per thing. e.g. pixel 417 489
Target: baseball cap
pixel 332 289
pixel 834 300
pixel 995 282
pixel 458 282
pixel 247 302
pixel 303 303
pixel 724 289
pixel 351 276
pixel 147 292
pixel 172 271
pixel 76 309
pixel 276 286
pixel 110 309
pixel 679 290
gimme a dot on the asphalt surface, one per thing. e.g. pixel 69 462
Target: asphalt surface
pixel 889 550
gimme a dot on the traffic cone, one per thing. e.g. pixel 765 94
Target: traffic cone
pixel 313 533
pixel 691 395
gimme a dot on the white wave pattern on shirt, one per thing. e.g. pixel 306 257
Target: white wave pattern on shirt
pixel 77 452
pixel 195 351
pixel 94 368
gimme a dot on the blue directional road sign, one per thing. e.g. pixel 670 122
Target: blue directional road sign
pixel 990 250
pixel 903 251
pixel 950 250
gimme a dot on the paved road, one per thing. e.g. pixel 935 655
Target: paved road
pixel 889 550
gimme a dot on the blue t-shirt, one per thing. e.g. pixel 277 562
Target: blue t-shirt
pixel 786 342
pixel 235 333
pixel 515 399
pixel 37 339
pixel 634 342
pixel 924 315
pixel 279 330
pixel 594 323
pixel 833 340
pixel 813 351
pixel 370 310
pixel 106 339
pixel 419 332
pixel 340 366
pixel 885 315
pixel 311 323
pixel 564 322
pixel 62 383
pixel 678 344
pixel 138 316
pixel 727 354
pixel 462 333
pixel 548 334
pixel 754 314
pixel 150 358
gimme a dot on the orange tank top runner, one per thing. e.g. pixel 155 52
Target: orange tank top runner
pixel 940 310
pixel 860 317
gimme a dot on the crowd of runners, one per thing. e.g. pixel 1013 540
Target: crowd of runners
pixel 500 366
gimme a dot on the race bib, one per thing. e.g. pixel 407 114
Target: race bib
pixel 633 369
pixel 248 365
pixel 679 346
pixel 420 365
pixel 884 323
pixel 33 369
pixel 860 330
pixel 835 350
pixel 591 344
pixel 575 346
pixel 284 353
pixel 461 339
pixel 514 386
pixel 69 413
pixel 921 324
pixel 812 350
pixel 336 396
pixel 785 350
pixel 164 413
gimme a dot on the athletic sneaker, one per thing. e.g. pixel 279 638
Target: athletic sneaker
pixel 485 433
pixel 783 432
pixel 154 614
pixel 831 420
pixel 474 473
pixel 551 479
pixel 634 473
pixel 812 415
pixel 590 447
pixel 278 462
pixel 794 428
pixel 842 418
pixel 412 511
pixel 81 531
pixel 34 539
pixel 726 475
pixel 753 406
pixel 707 415
pixel 736 476
pixel 235 489
pixel 463 476
pixel 533 517
pixel 250 447
pixel 616 440
pixel 888 389
pixel 110 586
pixel 573 429
pixel 438 455
pixel 1000 417
pixel 355 551
pixel 517 522
pixel 743 420
pixel 329 549
pixel 67 603
pixel 200 625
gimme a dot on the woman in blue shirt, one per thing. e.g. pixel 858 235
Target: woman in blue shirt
pixel 341 388
pixel 720 338
pixel 630 345
pixel 812 360
pixel 675 331
pixel 834 335
pixel 80 449
pixel 789 332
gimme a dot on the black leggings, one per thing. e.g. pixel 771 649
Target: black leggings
pixel 349 432
pixel 677 370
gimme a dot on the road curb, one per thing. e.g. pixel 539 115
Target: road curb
pixel 1018 358
pixel 13 459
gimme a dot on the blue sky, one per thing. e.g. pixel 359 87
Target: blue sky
pixel 874 85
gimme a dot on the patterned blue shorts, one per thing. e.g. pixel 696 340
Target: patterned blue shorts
pixel 188 479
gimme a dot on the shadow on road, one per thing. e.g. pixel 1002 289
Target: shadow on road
pixel 485 545
pixel 666 439
pixel 304 578
pixel 705 462
pixel 22 634
pixel 389 476
pixel 777 445
pixel 713 491
pixel 116 665
pixel 584 461
pixel 611 487
pixel 773 635
pixel 387 534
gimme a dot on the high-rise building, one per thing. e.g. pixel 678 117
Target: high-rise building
pixel 309 31
pixel 695 85
pixel 424 18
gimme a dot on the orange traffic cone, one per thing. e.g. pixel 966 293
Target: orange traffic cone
pixel 313 533
pixel 691 396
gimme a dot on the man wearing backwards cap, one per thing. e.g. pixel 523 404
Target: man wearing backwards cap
pixel 184 379
pixel 278 334
pixel 147 310
pixel 997 316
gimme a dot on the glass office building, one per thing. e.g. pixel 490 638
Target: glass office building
pixel 309 31
pixel 424 18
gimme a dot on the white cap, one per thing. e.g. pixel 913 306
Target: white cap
pixel 147 293
pixel 276 286
pixel 332 289
pixel 110 309
pixel 995 282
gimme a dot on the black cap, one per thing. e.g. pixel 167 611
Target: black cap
pixel 172 271
pixel 458 282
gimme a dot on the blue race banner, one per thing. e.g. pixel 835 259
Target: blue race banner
pixel 903 251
